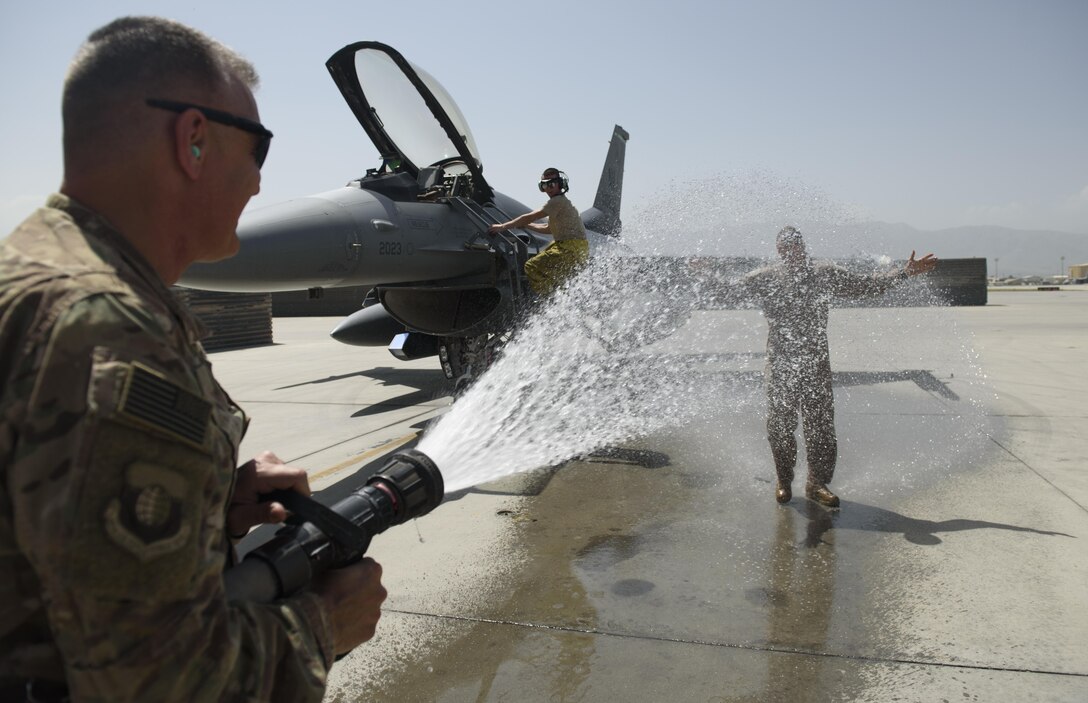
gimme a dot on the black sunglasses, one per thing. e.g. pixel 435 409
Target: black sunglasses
pixel 544 183
pixel 260 152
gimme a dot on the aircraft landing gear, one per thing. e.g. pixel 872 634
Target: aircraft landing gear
pixel 464 359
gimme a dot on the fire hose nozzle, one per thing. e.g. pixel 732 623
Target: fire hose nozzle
pixel 317 538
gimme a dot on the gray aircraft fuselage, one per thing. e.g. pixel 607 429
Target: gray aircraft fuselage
pixel 350 237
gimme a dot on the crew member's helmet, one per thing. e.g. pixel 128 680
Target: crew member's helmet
pixel 554 174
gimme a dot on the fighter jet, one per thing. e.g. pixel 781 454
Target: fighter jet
pixel 413 229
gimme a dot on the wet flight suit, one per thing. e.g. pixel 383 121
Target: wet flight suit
pixel 795 302
pixel 118 451
pixel 562 257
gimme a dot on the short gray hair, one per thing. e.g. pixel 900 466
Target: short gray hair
pixel 133 57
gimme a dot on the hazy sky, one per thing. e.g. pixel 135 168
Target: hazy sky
pixel 934 113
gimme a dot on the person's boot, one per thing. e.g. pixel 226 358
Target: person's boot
pixel 782 491
pixel 819 493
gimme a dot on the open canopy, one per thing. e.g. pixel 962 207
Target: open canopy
pixel 412 120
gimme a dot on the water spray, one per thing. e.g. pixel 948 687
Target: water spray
pixel 317 538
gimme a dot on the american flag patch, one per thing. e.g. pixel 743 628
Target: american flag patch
pixel 153 400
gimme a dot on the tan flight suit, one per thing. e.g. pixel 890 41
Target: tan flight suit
pixel 558 261
pixel 118 451
pixel 795 302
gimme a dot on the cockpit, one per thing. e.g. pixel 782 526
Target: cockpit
pixel 431 184
pixel 428 151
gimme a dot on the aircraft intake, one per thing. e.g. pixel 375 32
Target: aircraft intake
pixel 317 538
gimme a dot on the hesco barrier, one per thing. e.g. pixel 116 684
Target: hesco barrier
pixel 234 320
pixel 952 282
pixel 960 281
pixel 239 320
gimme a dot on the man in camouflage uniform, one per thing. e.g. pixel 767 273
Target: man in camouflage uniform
pixel 117 446
pixel 795 295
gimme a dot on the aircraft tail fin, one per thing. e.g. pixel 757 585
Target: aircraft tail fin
pixel 604 216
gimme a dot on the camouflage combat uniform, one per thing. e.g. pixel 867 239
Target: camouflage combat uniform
pixel 568 251
pixel 118 451
pixel 795 302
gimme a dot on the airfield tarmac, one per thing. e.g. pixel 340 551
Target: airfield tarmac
pixel 956 569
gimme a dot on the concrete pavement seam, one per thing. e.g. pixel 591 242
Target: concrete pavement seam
pixel 1032 470
pixel 748 647
pixel 352 439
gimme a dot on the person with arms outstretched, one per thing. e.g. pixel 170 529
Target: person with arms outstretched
pixel 795 294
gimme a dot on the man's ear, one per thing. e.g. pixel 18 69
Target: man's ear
pixel 190 142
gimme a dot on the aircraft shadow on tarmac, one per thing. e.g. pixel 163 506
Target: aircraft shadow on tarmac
pixel 387 375
pixel 430 384
pixel 858 516
pixel 327 379
pixel 924 379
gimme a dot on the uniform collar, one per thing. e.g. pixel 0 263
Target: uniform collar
pixel 119 249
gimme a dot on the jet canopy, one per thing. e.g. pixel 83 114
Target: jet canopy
pixel 412 120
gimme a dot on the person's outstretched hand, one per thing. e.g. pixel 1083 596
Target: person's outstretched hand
pixel 926 263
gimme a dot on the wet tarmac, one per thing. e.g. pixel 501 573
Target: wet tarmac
pixel 662 569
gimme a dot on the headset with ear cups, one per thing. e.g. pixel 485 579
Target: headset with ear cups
pixel 196 150
pixel 564 183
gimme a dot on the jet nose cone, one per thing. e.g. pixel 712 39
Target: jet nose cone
pixel 304 243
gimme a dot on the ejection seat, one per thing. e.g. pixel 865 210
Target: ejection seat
pixel 430 180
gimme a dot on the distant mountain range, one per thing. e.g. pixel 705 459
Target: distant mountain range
pixel 1014 252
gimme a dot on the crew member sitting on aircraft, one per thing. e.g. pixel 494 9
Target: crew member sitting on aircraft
pixel 569 250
